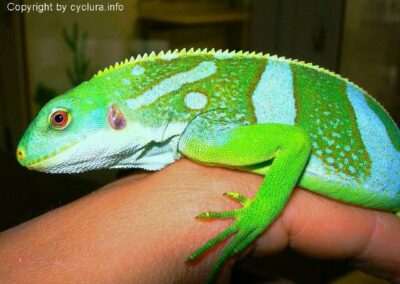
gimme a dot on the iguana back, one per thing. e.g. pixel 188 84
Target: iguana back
pixel 355 144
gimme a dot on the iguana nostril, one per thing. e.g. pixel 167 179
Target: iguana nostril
pixel 20 154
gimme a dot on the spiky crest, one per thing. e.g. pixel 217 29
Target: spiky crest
pixel 205 51
pixel 153 56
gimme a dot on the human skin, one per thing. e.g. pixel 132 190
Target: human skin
pixel 140 230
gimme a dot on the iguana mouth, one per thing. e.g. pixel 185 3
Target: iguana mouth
pixel 42 164
pixel 37 162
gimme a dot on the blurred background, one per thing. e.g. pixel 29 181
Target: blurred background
pixel 45 52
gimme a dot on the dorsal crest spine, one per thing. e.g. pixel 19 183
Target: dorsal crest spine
pixel 178 53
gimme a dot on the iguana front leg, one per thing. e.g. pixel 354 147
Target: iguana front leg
pixel 242 146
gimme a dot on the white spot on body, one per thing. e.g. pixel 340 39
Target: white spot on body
pixel 273 98
pixel 195 100
pixel 126 82
pixel 330 160
pixel 173 83
pixel 137 70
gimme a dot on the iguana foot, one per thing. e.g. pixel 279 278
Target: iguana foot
pixel 246 227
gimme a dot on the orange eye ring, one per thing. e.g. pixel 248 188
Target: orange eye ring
pixel 59 119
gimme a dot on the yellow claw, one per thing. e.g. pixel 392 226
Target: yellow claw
pixel 238 197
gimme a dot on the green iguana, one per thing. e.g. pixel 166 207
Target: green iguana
pixel 292 122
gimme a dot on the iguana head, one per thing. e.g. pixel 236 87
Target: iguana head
pixel 83 130
pixel 128 115
pixel 58 140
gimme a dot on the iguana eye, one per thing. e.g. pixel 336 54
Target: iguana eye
pixel 59 119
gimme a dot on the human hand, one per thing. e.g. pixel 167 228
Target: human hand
pixel 141 231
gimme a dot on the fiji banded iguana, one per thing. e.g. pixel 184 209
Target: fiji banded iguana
pixel 292 122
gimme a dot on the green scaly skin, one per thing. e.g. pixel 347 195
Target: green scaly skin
pixel 294 123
